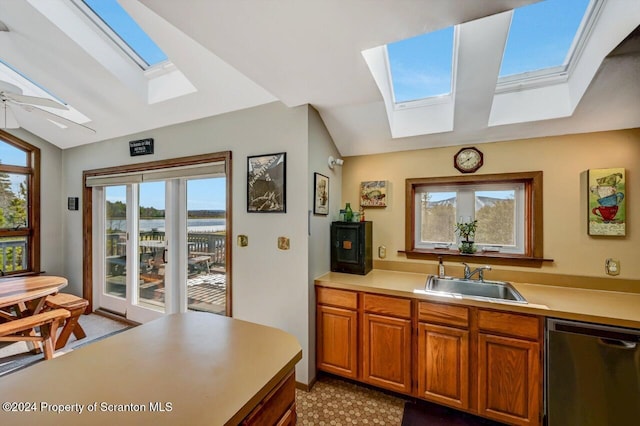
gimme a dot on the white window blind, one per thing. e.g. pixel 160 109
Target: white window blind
pixel 216 169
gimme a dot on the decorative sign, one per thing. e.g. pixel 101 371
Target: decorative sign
pixel 141 147
pixel 373 193
pixel 606 210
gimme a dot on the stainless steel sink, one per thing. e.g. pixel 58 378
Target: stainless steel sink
pixel 472 289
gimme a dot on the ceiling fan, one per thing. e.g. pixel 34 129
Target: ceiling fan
pixel 11 97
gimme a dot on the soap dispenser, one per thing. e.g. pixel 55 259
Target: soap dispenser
pixel 440 267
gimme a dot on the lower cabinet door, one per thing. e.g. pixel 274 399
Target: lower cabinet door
pixel 387 352
pixel 337 340
pixel 509 387
pixel 443 365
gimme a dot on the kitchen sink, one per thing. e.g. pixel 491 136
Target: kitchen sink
pixel 472 289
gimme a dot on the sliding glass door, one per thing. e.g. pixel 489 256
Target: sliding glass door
pixel 161 244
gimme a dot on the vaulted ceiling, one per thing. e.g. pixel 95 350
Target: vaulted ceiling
pixel 244 53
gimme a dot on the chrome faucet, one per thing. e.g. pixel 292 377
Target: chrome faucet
pixel 468 273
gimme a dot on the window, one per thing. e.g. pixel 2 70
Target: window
pixel 124 31
pixel 19 205
pixel 542 35
pixel 498 208
pixel 421 66
pixel 508 208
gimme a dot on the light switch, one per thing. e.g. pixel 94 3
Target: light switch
pixel 612 266
pixel 243 240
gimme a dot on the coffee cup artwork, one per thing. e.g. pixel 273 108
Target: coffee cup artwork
pixel 607 214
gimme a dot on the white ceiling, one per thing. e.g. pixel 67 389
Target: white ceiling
pixel 244 53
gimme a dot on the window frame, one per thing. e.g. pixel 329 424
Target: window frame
pixel 32 231
pixel 151 167
pixel 533 218
pixel 465 207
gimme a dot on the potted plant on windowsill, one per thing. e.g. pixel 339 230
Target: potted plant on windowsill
pixel 467 233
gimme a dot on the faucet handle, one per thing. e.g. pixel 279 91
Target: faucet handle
pixel 467 271
pixel 481 271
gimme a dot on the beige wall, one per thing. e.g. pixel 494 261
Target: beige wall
pixel 563 160
pixel 269 286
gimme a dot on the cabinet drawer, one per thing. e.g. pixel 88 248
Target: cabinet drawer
pixel 517 325
pixel 443 314
pixel 275 405
pixel 341 298
pixel 387 305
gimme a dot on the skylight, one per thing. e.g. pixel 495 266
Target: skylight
pixel 28 87
pixel 421 66
pixel 115 21
pixel 541 35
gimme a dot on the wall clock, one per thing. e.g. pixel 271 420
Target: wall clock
pixel 468 160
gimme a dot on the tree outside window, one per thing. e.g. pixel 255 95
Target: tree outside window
pixel 19 205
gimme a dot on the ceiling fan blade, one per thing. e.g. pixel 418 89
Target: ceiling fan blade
pixel 53 117
pixel 7 118
pixel 33 100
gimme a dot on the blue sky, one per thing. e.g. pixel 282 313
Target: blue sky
pixel 119 20
pixel 540 37
pixel 416 75
pixel 202 194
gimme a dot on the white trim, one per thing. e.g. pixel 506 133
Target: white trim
pixel 561 73
pixel 465 211
pixel 213 169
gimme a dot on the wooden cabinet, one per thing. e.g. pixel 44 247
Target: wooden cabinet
pixel 278 407
pixel 443 354
pixel 483 361
pixel 386 348
pixel 510 367
pixel 337 332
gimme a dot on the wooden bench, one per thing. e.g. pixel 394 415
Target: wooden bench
pixel 22 329
pixel 75 306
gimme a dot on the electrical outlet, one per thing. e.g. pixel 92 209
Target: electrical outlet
pixel 382 252
pixel 612 266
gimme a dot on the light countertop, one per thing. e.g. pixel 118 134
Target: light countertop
pixel 201 369
pixel 605 307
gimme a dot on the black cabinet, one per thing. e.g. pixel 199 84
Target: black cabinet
pixel 351 247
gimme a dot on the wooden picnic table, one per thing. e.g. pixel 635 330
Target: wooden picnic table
pixel 22 300
pixel 26 295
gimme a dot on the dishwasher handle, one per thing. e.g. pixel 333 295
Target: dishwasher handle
pixel 618 344
pixel 617 337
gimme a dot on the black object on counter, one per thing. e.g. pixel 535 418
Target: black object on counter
pixel 351 247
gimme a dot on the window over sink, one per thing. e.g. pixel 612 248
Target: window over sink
pixel 507 207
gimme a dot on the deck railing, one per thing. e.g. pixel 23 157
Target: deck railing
pixel 13 255
pixel 200 243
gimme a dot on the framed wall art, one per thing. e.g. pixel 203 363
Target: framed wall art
pixel 266 183
pixel 606 206
pixel 373 193
pixel 320 194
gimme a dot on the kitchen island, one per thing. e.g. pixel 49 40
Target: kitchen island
pixel 192 368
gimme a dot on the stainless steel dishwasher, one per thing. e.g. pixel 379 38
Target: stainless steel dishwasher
pixel 592 374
